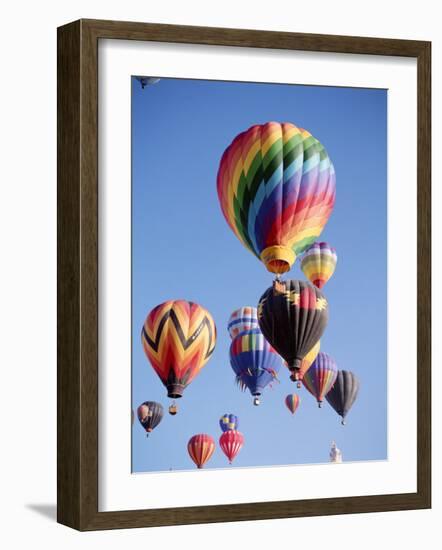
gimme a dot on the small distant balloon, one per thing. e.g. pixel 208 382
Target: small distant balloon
pixel 343 393
pixel 147 81
pixel 321 376
pixel 150 414
pixel 228 422
pixel 231 443
pixel 292 402
pixel 200 448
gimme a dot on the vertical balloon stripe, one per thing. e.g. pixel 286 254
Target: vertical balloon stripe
pixel 292 402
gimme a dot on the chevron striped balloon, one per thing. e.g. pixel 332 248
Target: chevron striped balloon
pixel 319 263
pixel 276 188
pixel 178 338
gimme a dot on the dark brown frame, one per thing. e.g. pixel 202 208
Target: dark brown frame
pixel 77 224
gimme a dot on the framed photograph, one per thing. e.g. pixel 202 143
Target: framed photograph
pixel 244 293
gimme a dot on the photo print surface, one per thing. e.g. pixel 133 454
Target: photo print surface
pixel 259 274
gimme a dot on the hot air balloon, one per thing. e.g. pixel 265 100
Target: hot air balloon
pixel 200 448
pixel 321 376
pixel 228 422
pixel 319 263
pixel 244 318
pixel 254 362
pixel 276 188
pixel 293 320
pixel 231 443
pixel 146 81
pixel 343 393
pixel 178 338
pixel 292 402
pixel 150 415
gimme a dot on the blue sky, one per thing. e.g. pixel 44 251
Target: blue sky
pixel 183 248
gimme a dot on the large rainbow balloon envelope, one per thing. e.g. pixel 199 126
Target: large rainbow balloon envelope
pixel 276 187
pixel 319 263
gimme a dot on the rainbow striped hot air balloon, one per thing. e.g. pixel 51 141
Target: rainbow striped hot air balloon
pixel 178 338
pixel 244 318
pixel 276 188
pixel 292 402
pixel 321 376
pixel 319 263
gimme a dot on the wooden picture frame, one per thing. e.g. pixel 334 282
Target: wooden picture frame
pixel 77 226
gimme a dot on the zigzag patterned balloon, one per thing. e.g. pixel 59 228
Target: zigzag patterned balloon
pixel 178 338
pixel 276 188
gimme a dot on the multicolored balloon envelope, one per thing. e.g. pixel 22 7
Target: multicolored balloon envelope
pixel 228 422
pixel 254 362
pixel 293 320
pixel 292 402
pixel 178 338
pixel 200 448
pixel 321 376
pixel 244 318
pixel 276 187
pixel 150 414
pixel 231 443
pixel 319 263
pixel 343 393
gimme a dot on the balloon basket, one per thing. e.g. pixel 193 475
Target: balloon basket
pixel 320 404
pixel 173 409
pixel 256 402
